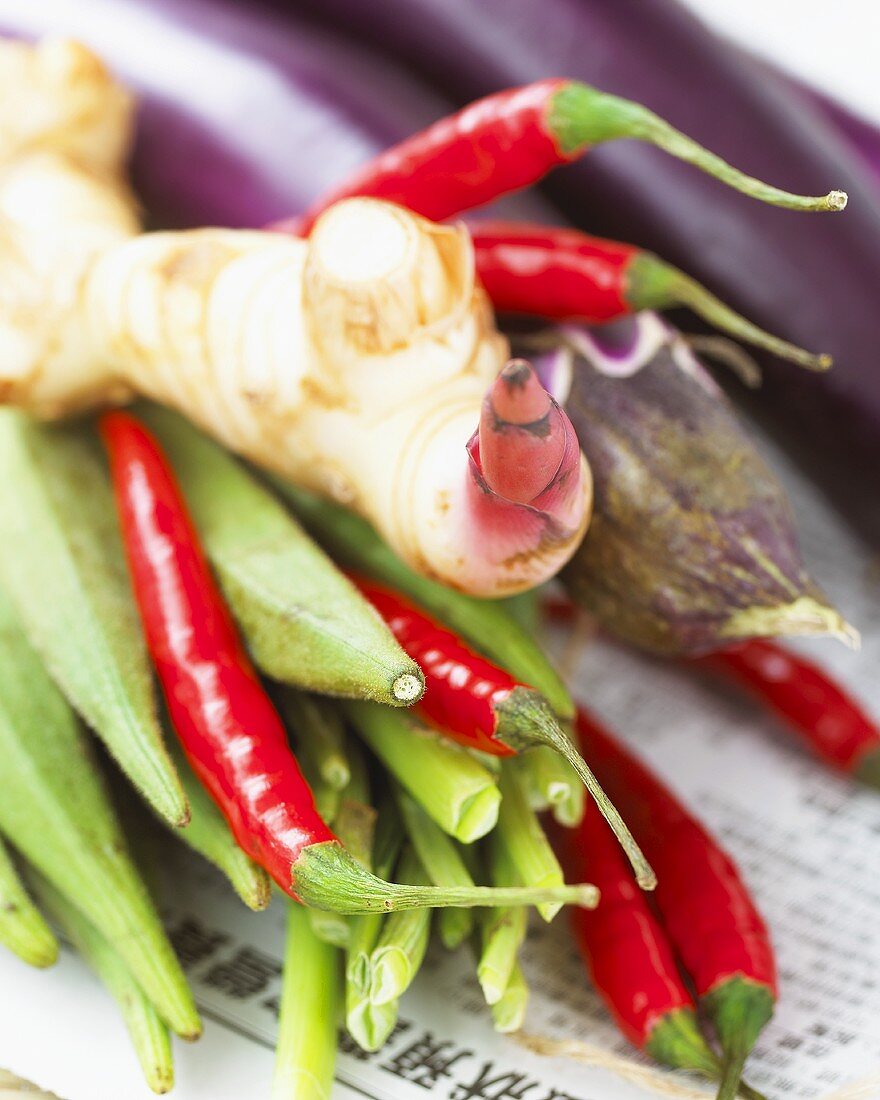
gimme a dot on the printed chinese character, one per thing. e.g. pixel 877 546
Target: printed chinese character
pixel 426 1060
pixel 194 943
pixel 502 1086
pixel 247 973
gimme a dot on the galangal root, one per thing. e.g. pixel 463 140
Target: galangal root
pixel 363 364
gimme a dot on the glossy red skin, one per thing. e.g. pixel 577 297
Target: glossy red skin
pixel 624 946
pixel 229 730
pixel 706 908
pixel 462 689
pixel 808 701
pixel 499 144
pixel 559 274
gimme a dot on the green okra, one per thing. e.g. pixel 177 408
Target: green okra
pixel 209 834
pixel 442 860
pixel 319 733
pixel 453 788
pixel 56 811
pixel 486 624
pixel 403 941
pixel 519 830
pixel 304 622
pixel 22 927
pixel 147 1031
pixel 63 565
pixel 311 993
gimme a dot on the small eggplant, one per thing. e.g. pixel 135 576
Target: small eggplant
pixel 693 544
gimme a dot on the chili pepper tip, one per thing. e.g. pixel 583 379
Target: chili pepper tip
pixel 408 689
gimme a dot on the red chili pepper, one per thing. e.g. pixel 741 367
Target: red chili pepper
pixel 565 275
pixel 229 730
pixel 478 704
pixel 706 908
pixel 829 722
pixel 512 139
pixel 628 954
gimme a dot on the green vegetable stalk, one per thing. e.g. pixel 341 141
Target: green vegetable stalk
pixel 63 566
pixel 311 993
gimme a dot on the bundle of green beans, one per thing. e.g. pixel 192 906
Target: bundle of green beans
pixel 403 801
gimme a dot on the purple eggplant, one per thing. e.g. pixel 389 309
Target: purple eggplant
pixel 811 279
pixel 692 544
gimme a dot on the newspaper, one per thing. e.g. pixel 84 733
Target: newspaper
pixel 807 842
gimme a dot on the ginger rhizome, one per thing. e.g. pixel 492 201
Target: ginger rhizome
pixel 362 364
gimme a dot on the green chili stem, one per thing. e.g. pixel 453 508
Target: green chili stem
pixel 581 116
pixel 326 876
pixel 22 927
pixel 148 1033
pixel 654 284
pixel 543 727
pixel 305 1053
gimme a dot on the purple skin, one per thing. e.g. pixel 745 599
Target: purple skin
pixel 812 278
pixel 673 470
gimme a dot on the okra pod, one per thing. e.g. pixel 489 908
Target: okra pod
pixel 56 811
pixel 147 1031
pixel 63 566
pixel 303 621
pixel 486 624
pixel 22 927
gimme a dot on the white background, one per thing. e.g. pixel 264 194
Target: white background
pixel 834 44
